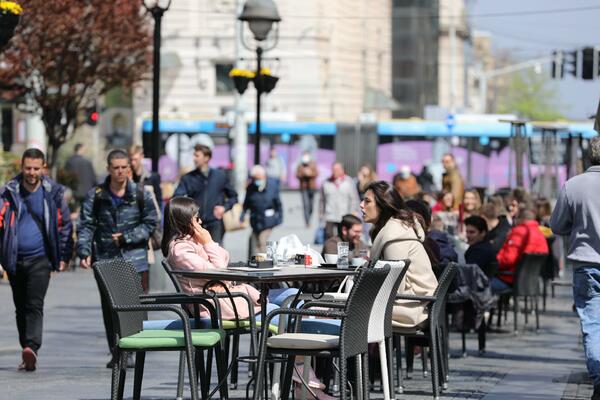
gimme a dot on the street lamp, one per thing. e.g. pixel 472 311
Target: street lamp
pixel 157 8
pixel 260 16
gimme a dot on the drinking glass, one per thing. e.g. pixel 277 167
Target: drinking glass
pixel 343 250
pixel 272 251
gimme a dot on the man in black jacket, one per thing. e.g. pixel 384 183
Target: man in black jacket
pixel 212 191
pixel 480 250
pixel 139 174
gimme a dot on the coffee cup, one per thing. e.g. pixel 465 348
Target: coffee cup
pixel 331 258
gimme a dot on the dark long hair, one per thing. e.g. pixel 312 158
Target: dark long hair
pixel 391 205
pixel 179 213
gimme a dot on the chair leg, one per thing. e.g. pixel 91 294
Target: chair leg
pixel 516 312
pixel 221 370
pixel 481 332
pixel 409 349
pixel 383 361
pixel 122 373
pixel 526 310
pixel 544 294
pixel 260 370
pixel 433 346
pixel 181 375
pixel 537 314
pixel 140 357
pixel 201 374
pixel 191 362
pixel 114 384
pixel 287 378
pixel 343 377
pixel 235 348
pixel 208 364
pixel 365 375
pixel 424 360
pixel 500 300
pixel 398 342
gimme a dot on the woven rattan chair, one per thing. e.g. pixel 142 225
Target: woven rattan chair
pixel 433 333
pixel 526 285
pixel 120 284
pixel 351 342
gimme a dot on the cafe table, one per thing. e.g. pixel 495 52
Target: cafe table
pixel 264 277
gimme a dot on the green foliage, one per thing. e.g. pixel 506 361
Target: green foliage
pixel 531 96
pixel 10 165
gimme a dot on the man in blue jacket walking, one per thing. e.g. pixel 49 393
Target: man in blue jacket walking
pixel 35 239
pixel 212 191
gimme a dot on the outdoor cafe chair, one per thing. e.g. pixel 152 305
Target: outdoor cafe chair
pixel 120 284
pixel 380 319
pixel 352 340
pixel 526 284
pixel 433 333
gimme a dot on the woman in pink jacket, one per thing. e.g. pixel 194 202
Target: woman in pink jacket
pixel 189 247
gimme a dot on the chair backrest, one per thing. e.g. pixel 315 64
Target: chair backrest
pixel 174 280
pixel 437 313
pixel 380 320
pixel 121 285
pixel 550 269
pixel 355 327
pixel 528 273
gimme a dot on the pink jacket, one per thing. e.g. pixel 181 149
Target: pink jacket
pixel 187 255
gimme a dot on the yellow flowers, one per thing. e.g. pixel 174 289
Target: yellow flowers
pixel 244 73
pixel 11 7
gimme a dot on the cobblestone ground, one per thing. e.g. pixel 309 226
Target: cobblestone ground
pixel 544 365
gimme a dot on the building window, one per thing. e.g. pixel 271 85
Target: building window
pixel 224 83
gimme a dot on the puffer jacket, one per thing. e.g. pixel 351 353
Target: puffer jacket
pixel 57 223
pixel 95 231
pixel 264 205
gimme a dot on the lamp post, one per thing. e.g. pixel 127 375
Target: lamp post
pixel 157 8
pixel 260 16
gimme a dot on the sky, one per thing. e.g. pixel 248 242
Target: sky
pixel 534 30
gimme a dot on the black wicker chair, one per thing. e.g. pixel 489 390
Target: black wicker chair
pixel 120 284
pixel 233 329
pixel 353 338
pixel 526 284
pixel 435 332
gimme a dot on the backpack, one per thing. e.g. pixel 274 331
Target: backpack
pixel 156 236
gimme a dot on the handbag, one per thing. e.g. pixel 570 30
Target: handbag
pixel 231 219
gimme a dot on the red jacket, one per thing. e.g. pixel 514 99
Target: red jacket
pixel 523 238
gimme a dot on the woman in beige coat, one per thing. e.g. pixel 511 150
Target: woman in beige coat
pixel 397 234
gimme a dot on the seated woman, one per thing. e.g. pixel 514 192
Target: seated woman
pixel 398 234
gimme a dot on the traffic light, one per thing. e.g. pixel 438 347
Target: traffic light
pixel 92 115
pixel 570 63
pixel 558 64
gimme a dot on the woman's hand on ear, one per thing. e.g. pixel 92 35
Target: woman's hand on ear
pixel 201 235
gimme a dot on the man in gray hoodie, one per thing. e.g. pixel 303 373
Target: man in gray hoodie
pixel 577 216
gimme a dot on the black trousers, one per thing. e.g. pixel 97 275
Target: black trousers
pixel 308 196
pixel 216 230
pixel 29 286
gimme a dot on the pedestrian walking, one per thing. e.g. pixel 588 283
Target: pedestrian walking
pixel 577 217
pixel 36 234
pixel 263 202
pixel 338 198
pixel 452 181
pixel 82 169
pixel 276 166
pixel 116 220
pixel 307 177
pixel 211 189
pixel 139 174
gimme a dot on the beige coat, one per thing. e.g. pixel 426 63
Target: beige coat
pixel 419 279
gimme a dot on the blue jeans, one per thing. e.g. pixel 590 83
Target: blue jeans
pixel 498 286
pixel 586 292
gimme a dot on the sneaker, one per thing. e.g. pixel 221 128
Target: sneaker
pixel 29 360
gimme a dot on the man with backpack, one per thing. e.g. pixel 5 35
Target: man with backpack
pixel 35 239
pixel 116 220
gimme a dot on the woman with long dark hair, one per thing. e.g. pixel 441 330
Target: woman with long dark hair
pixel 187 246
pixel 398 234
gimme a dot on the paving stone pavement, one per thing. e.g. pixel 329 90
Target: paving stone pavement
pixel 546 365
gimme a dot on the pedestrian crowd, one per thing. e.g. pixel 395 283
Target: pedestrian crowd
pixel 402 219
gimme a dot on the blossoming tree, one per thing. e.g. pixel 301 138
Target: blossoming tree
pixel 66 53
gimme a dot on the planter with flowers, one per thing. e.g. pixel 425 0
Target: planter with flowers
pixel 9 18
pixel 241 78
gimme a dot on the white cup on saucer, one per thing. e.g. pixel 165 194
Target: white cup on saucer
pixel 331 258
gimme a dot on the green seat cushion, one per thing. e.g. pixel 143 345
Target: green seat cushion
pixel 151 339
